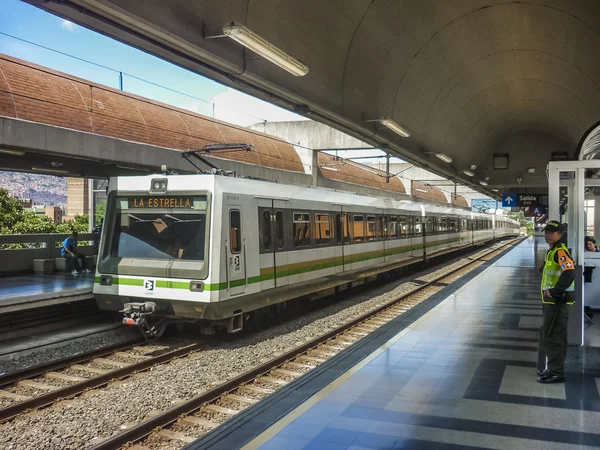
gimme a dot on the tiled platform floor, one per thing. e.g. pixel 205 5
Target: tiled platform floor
pixel 462 376
pixel 27 288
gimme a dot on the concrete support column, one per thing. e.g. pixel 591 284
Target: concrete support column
pixel 315 168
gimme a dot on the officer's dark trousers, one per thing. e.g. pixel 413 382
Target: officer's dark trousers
pixel 555 344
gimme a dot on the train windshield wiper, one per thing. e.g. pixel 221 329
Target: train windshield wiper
pixel 168 216
pixel 137 219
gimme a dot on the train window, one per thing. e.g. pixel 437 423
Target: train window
pixel 463 225
pixel 301 229
pixel 279 236
pixel 381 227
pixel 338 228
pixel 359 228
pixel 346 228
pixel 371 228
pixel 393 233
pixel 265 230
pixel 323 229
pixel 235 231
pixel 429 225
pixel 418 228
pixel 443 226
pixel 403 226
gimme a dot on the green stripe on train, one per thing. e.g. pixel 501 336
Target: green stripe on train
pixel 168 284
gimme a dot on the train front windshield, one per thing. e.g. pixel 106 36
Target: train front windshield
pixel 142 233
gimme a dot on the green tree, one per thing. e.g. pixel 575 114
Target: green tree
pixel 100 211
pixel 523 221
pixel 11 211
pixel 79 224
pixel 32 223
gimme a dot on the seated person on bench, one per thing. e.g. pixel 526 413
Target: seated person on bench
pixel 69 251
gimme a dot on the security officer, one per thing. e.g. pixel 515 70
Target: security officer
pixel 558 291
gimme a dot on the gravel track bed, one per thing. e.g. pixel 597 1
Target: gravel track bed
pixel 43 355
pixel 84 420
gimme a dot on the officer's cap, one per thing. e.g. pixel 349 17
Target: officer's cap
pixel 554 225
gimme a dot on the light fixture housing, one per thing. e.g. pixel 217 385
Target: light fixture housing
pixel 260 46
pixel 444 158
pixel 49 170
pixel 468 173
pixel 12 152
pixel 389 123
pixel 483 183
pixel 495 190
pixel 531 170
pixel 472 167
pixel 422 190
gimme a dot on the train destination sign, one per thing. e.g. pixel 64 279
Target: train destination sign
pixel 161 202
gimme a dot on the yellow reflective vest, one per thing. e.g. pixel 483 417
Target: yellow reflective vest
pixel 552 272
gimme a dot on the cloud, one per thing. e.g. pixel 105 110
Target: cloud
pixel 69 26
pixel 241 109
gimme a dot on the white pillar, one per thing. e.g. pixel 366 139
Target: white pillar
pixel 597 217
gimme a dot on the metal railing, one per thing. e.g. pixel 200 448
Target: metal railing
pixel 36 246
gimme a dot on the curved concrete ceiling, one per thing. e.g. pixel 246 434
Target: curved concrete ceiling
pixel 464 77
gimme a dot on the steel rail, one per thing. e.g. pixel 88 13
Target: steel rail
pixel 12 411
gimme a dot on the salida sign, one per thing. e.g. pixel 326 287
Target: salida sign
pixel 529 200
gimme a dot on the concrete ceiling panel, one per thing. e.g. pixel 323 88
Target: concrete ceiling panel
pixel 463 75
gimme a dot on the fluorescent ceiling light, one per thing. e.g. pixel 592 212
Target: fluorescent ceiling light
pixel 469 173
pixel 531 170
pixel 254 42
pixel 48 170
pixel 394 127
pixel 329 168
pixel 495 190
pixel 483 183
pixel 444 158
pixel 422 190
pixel 12 152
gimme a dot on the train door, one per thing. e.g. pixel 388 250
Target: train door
pixel 273 257
pixel 236 252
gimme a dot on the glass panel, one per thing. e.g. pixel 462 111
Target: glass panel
pixel 338 228
pixel 159 236
pixel 418 228
pixel 279 236
pixel 359 229
pixel 429 225
pixel 393 232
pixel 323 229
pixel 301 229
pixel 347 235
pixel 265 230
pixel 235 230
pixel 403 226
pixel 371 232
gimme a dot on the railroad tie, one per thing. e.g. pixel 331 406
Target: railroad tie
pixel 240 399
pixel 13 396
pixel 268 379
pixel 193 421
pixel 130 356
pixel 221 410
pixel 175 436
pixel 64 377
pixel 35 385
pixel 311 359
pixel 256 389
pixel 90 369
pixel 287 373
pixel 300 366
pixel 110 362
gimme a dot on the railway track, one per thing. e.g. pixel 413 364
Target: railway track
pixel 186 422
pixel 44 385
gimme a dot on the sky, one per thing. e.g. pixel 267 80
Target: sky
pixel 23 21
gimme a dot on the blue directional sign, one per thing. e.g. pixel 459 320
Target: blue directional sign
pixel 509 200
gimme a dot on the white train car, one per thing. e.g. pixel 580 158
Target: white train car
pixel 213 249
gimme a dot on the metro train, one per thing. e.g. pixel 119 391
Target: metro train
pixel 215 249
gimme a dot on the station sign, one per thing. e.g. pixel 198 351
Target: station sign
pixel 521 200
pixel 534 211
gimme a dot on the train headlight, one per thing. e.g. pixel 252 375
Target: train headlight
pixel 158 185
pixel 106 280
pixel 196 286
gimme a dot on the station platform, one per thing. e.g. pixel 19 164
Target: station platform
pixel 456 372
pixel 34 291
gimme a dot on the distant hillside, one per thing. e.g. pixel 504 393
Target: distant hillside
pixel 42 189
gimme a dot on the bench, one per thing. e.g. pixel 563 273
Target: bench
pixel 41 266
pixel 61 263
